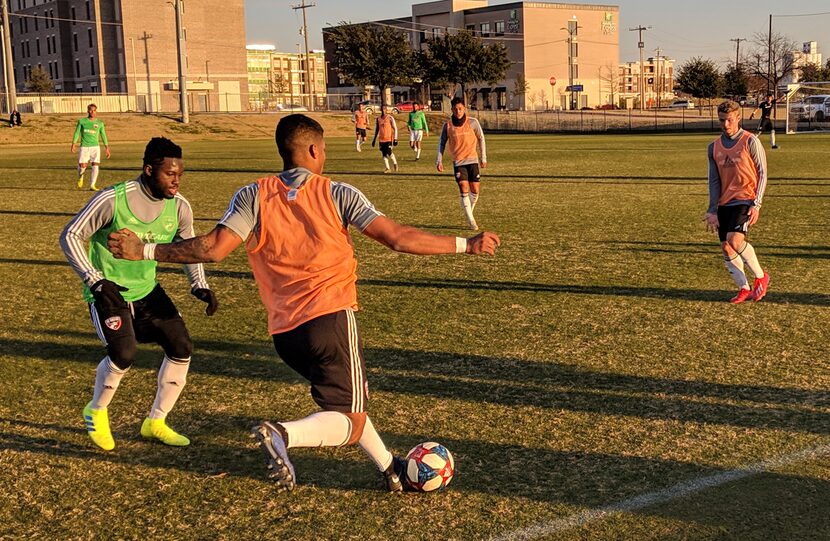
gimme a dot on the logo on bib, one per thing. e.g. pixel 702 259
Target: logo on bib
pixel 113 323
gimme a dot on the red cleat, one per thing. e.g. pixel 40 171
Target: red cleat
pixel 742 296
pixel 759 287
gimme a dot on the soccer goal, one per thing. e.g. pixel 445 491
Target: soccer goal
pixel 808 107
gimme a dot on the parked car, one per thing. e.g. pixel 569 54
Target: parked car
pixel 815 108
pixel 373 107
pixel 682 104
pixel 291 108
pixel 409 106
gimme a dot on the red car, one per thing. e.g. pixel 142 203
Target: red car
pixel 409 106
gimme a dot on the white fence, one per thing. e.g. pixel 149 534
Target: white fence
pixel 165 102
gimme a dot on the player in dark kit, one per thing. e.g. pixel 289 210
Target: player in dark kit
pixel 126 303
pixel 295 229
pixel 765 123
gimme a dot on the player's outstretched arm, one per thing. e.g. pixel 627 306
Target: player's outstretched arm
pixel 410 240
pixel 209 248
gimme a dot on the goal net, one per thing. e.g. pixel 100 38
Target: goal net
pixel 808 107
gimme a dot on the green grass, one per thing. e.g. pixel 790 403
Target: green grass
pixel 592 360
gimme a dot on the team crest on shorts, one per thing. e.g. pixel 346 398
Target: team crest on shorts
pixel 113 323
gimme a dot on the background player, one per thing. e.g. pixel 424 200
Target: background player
pixel 765 123
pixel 88 131
pixel 737 180
pixel 418 129
pixel 127 304
pixel 463 134
pixel 386 130
pixel 360 117
pixel 295 229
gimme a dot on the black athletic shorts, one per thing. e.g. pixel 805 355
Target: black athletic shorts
pixel 153 319
pixel 361 132
pixel 327 351
pixel 467 172
pixel 386 149
pixel 733 219
pixel 765 124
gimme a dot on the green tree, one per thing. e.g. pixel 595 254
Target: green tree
pixel 814 72
pixel 373 55
pixel 700 78
pixel 39 81
pixel 735 82
pixel 461 59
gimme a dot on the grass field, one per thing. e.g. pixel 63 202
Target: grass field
pixel 592 361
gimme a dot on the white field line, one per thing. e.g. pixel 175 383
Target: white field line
pixel 661 496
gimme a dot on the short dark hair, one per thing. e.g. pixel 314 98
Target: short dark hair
pixel 159 148
pixel 294 130
pixel 456 101
pixel 769 94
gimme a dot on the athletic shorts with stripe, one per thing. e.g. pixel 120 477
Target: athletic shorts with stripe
pixel 152 319
pixel 469 172
pixel 327 351
pixel 732 219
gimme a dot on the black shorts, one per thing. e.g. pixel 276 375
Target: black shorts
pixel 361 132
pixel 468 172
pixel 327 351
pixel 765 124
pixel 733 219
pixel 386 149
pixel 153 319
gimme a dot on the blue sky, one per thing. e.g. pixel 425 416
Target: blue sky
pixel 682 29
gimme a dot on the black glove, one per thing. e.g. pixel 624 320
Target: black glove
pixel 395 143
pixel 108 293
pixel 206 295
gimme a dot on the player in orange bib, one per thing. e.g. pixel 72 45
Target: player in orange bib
pixel 295 227
pixel 737 180
pixel 386 131
pixel 462 135
pixel 360 117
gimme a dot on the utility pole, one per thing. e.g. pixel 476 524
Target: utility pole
pixel 182 63
pixel 657 80
pixel 8 66
pixel 641 45
pixel 737 51
pixel 309 84
pixel 102 73
pixel 572 30
pixel 769 60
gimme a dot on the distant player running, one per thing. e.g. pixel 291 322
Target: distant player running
pixel 126 303
pixel 737 180
pixel 463 135
pixel 360 117
pixel 765 123
pixel 88 131
pixel 418 129
pixel 386 130
pixel 295 229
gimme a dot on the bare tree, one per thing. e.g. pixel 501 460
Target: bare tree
pixel 542 97
pixel 772 59
pixel 610 75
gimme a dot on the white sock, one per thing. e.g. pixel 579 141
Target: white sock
pixel 386 162
pixel 772 137
pixel 373 446
pixel 81 170
pixel 467 208
pixel 171 380
pixel 418 152
pixel 473 199
pixel 107 378
pixel 94 176
pixel 357 144
pixel 321 429
pixel 394 159
pixel 735 266
pixel 751 260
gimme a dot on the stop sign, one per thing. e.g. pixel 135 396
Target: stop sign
pixel 552 81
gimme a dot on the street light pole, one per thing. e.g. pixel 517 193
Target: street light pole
pixel 182 64
pixel 641 45
pixel 309 85
pixel 8 66
pixel 571 30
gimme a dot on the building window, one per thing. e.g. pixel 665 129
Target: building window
pixel 88 13
pixel 499 28
pixel 471 28
pixel 37 46
pixel 36 28
pixel 51 74
pixel 54 44
pixel 485 29
pixel 75 41
pixel 89 35
pixel 77 68
pixel 92 65
pixel 74 22
pixel 57 75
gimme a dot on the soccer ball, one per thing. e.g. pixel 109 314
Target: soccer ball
pixel 429 466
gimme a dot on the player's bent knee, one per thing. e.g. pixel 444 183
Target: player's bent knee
pixel 358 423
pixel 122 355
pixel 181 347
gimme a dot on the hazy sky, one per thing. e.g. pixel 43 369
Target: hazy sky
pixel 682 29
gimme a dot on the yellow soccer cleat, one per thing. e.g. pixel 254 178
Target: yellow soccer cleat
pixel 80 182
pixel 157 429
pixel 98 427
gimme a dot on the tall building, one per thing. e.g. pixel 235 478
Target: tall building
pixel 807 55
pixel 129 47
pixel 658 83
pixel 276 78
pixel 560 49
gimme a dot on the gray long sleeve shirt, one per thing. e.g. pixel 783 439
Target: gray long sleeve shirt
pixel 482 147
pixel 759 158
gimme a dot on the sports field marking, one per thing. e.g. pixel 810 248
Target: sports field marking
pixel 662 496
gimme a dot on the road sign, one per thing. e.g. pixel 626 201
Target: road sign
pixel 552 81
pixel 573 88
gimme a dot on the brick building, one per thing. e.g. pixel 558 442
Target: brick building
pixel 277 78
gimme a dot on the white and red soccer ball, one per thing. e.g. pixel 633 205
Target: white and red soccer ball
pixel 429 466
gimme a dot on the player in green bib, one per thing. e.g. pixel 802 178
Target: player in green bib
pixel 126 303
pixel 88 131
pixel 418 129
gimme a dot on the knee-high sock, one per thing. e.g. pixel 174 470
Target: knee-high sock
pixel 473 200
pixel 373 446
pixel 357 143
pixel 418 152
pixel 772 137
pixel 171 380
pixel 321 429
pixel 386 162
pixel 394 159
pixel 81 169
pixel 735 266
pixel 107 378
pixel 467 207
pixel 747 253
pixel 93 176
